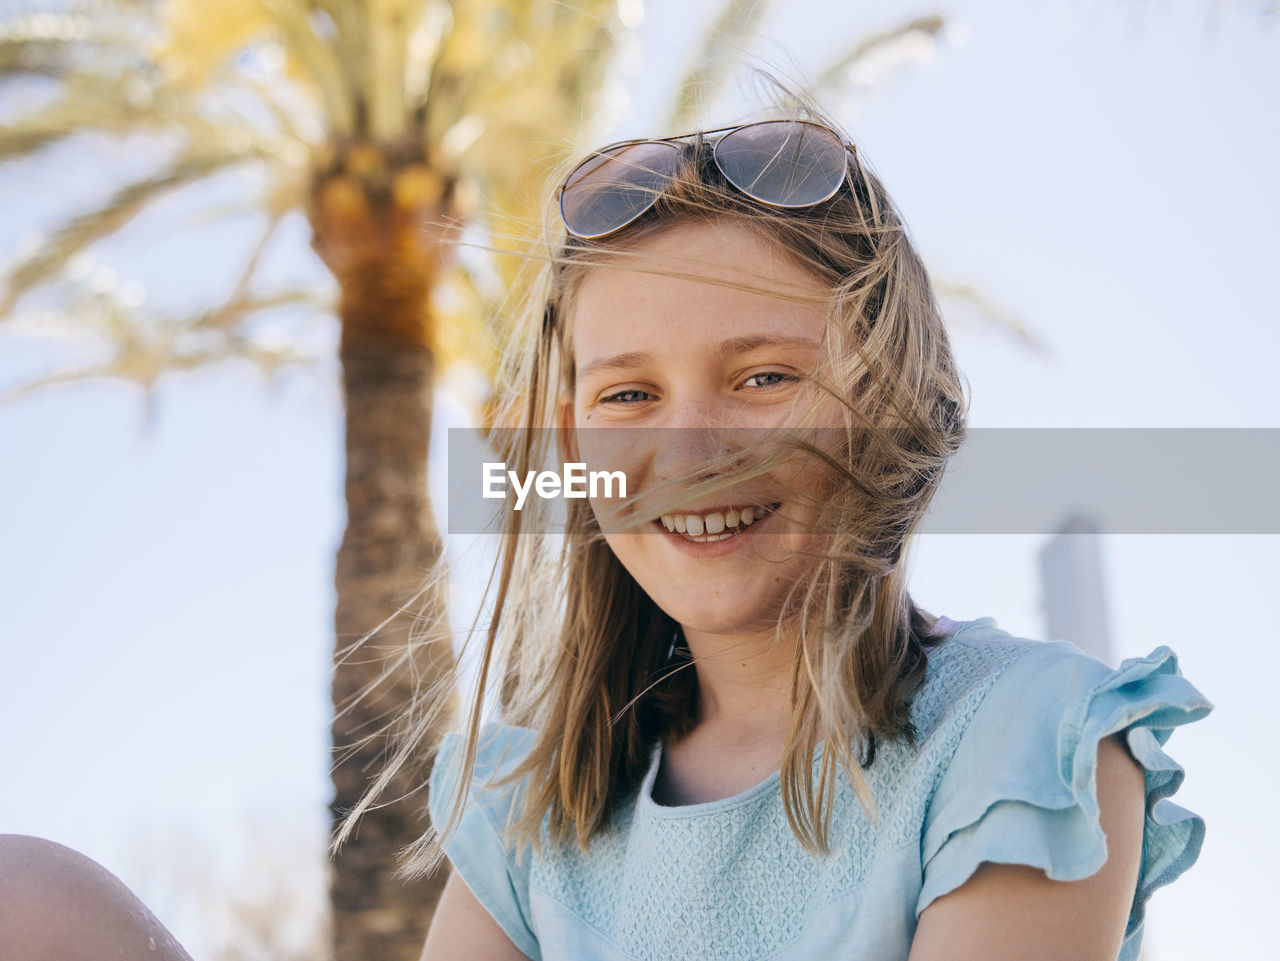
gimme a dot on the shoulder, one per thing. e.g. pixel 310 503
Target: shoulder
pixel 472 800
pixel 962 670
pixel 984 675
pixel 1019 730
pixel 498 750
pixel 1049 698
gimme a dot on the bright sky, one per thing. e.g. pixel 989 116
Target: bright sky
pixel 1102 169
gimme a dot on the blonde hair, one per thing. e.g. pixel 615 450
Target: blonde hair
pixel 579 653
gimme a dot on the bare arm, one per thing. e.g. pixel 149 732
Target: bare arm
pixel 463 929
pixel 1007 912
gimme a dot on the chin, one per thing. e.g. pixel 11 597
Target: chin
pixel 728 616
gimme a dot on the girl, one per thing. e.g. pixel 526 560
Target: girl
pixel 727 729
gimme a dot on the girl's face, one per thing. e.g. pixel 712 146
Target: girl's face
pixel 702 368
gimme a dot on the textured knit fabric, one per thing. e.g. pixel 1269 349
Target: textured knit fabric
pixel 1003 769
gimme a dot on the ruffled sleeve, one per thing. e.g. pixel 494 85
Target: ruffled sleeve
pixel 478 848
pixel 1021 787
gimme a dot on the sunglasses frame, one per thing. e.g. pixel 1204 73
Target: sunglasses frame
pixel 701 137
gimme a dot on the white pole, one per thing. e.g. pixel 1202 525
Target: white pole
pixel 1074 591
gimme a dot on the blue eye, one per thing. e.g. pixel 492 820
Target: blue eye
pixel 626 397
pixel 768 378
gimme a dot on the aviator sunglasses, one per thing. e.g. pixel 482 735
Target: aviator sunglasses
pixel 782 163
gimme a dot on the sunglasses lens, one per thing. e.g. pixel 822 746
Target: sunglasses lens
pixel 786 163
pixel 608 191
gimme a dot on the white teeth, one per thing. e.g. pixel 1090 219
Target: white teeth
pixel 715 523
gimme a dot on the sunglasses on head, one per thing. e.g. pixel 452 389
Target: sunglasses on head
pixel 781 163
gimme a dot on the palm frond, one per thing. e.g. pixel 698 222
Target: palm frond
pixel 85 229
pixel 49 43
pixel 498 122
pixel 92 102
pixel 244 283
pixel 173 68
pixel 925 28
pixel 726 42
pixel 434 22
pixel 142 352
pixel 203 39
pixel 290 124
pixel 147 370
pixel 341 23
pixel 321 61
pixel 390 25
pixel 1000 318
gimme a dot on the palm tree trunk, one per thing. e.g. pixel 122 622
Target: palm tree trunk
pixel 390 547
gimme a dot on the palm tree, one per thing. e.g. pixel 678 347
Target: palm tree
pixel 364 116
pixel 379 121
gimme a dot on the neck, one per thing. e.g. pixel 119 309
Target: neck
pixel 744 684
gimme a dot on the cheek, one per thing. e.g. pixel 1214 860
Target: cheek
pixel 615 460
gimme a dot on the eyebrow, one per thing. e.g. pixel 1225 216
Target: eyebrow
pixel 616 362
pixel 743 345
pixel 727 348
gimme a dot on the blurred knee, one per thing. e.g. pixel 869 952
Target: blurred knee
pixel 35 872
pixel 57 903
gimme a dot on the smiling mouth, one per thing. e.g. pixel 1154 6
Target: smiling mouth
pixel 716 525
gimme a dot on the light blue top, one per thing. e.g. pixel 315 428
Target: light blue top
pixel 1002 770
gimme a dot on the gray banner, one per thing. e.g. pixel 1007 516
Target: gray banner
pixel 1003 480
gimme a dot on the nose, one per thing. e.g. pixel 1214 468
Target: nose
pixel 695 438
